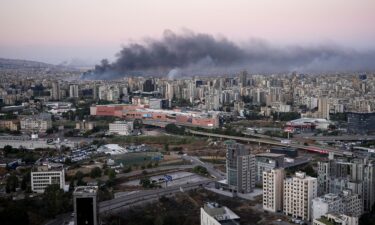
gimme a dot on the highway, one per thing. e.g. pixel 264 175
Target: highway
pixel 267 141
pixel 210 168
pixel 143 197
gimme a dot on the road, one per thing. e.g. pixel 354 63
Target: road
pixel 210 168
pixel 148 196
pixel 268 141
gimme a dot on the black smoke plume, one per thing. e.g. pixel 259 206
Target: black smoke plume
pixel 189 53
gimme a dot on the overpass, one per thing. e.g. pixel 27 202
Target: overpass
pixel 143 197
pixel 318 149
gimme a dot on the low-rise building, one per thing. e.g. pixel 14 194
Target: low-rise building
pixel 121 127
pixel 85 125
pixel 12 125
pixel 36 123
pixel 336 219
pixel 45 176
pixel 215 214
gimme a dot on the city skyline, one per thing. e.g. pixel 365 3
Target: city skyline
pixel 88 31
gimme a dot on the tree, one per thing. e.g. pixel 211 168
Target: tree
pixel 12 183
pixel 145 182
pixel 200 170
pixel 96 172
pixel 25 181
pixel 166 147
pixel 55 201
pixel 7 150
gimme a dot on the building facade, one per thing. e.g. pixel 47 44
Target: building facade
pixel 240 168
pixel 44 177
pixel 121 127
pixel 299 191
pixel 273 190
pixel 85 205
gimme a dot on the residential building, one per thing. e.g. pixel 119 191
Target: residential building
pixel 240 168
pixel 215 214
pixel 85 125
pixel 45 176
pixel 273 189
pixel 85 205
pixel 345 203
pixel 356 173
pixel 12 125
pixel 266 162
pixel 299 191
pixel 55 92
pixel 73 91
pixel 36 123
pixel 121 127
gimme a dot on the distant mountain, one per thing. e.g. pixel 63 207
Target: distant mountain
pixel 24 64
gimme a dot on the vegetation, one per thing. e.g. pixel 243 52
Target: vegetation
pixel 201 170
pixel 96 172
pixel 174 129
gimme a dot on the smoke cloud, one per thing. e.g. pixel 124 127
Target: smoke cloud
pixel 189 53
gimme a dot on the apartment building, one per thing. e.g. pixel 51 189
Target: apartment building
pixel 355 172
pixel 215 214
pixel 266 162
pixel 273 190
pixel 345 203
pixel 299 191
pixel 36 123
pixel 240 168
pixel 45 176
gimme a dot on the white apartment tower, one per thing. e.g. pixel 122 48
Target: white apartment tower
pixel 299 191
pixel 273 190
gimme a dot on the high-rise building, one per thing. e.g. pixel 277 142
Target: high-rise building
pixel 240 168
pixel 323 108
pixel 85 205
pixel 266 162
pixel 356 173
pixel 273 190
pixel 215 214
pixel 55 93
pixel 73 91
pixel 299 191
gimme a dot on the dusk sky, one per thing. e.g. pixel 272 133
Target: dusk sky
pixel 57 30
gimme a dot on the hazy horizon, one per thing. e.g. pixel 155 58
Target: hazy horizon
pixel 87 31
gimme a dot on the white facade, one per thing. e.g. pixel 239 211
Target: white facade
pixel 273 190
pixel 41 179
pixel 214 214
pixel 73 91
pixel 121 128
pixel 299 191
pixel 345 203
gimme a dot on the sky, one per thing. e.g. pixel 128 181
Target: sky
pixel 86 31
